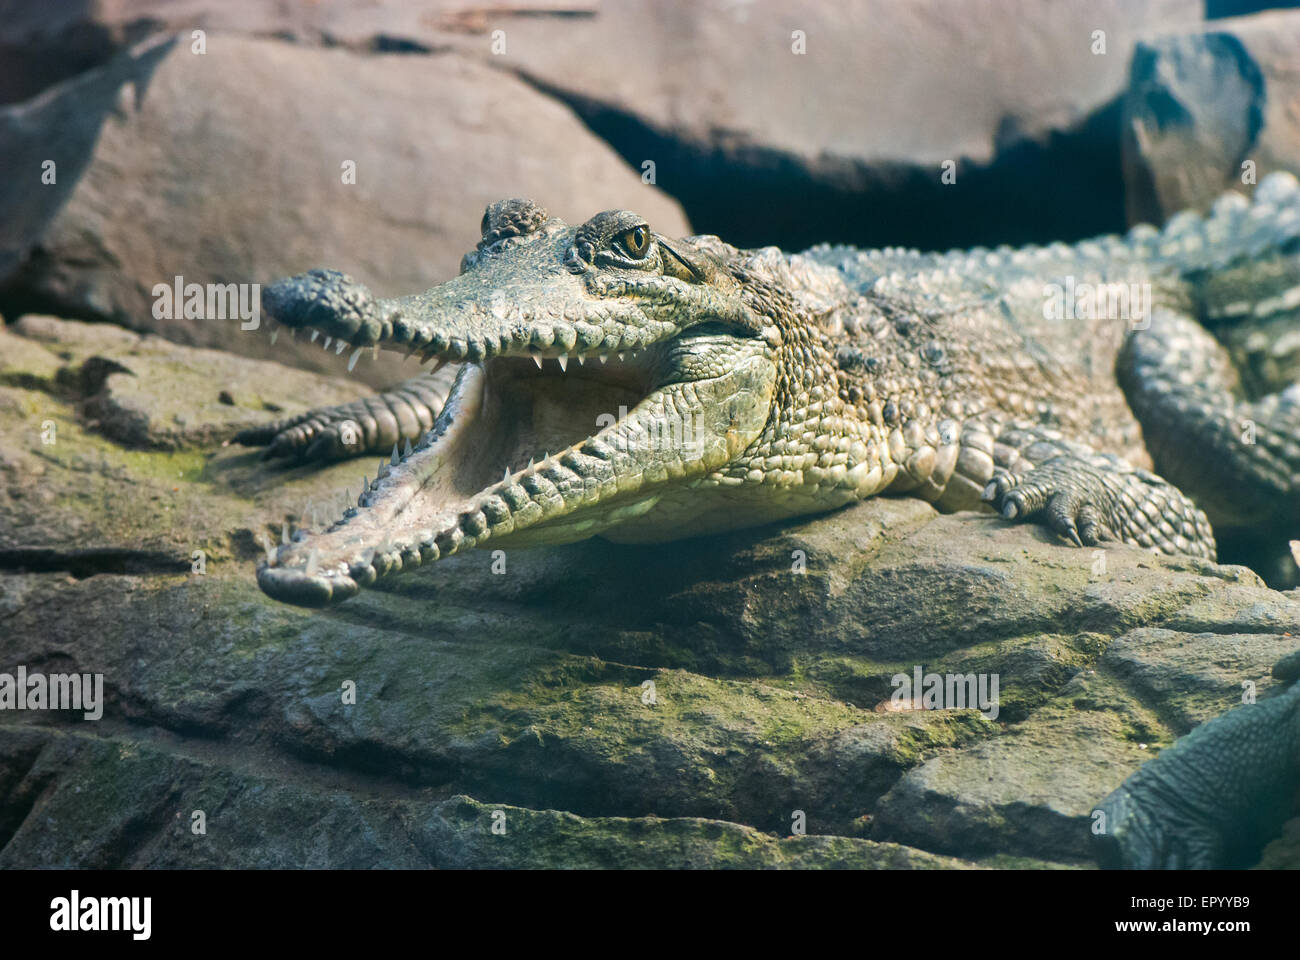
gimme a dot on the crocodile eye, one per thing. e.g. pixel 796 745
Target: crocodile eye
pixel 637 242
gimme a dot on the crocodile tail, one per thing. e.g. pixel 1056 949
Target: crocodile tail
pixel 1242 261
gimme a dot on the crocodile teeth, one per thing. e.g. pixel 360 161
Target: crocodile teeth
pixel 506 478
pixel 620 358
pixel 406 451
pixel 284 531
pixel 604 358
pixel 563 360
pixel 338 347
pixel 396 458
pixel 352 360
pixel 275 335
pixel 581 362
pixel 328 340
pixel 311 562
pixel 314 334
pixel 537 360
pixel 269 547
pixel 365 485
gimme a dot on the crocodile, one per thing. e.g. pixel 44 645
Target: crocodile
pixel 1217 795
pixel 611 381
pixel 605 380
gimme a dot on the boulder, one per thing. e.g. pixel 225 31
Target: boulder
pixel 727 701
pixel 1210 111
pixel 231 167
pixel 791 123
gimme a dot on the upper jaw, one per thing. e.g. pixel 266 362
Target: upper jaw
pixel 517 298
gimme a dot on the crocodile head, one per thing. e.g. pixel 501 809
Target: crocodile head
pixel 599 365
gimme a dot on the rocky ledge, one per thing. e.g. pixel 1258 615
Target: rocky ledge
pixel 719 702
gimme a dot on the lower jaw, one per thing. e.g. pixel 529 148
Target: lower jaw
pixel 415 511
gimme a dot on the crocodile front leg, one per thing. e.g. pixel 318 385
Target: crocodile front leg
pixel 1239 458
pixel 1088 497
pixel 370 425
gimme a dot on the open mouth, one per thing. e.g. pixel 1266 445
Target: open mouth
pixel 507 420
pixel 579 398
pixel 528 411
pixel 516 439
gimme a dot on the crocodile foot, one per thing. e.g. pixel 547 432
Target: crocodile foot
pixel 1089 499
pixel 372 424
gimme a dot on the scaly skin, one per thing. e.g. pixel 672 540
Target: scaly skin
pixel 1217 795
pixel 610 381
pixel 759 385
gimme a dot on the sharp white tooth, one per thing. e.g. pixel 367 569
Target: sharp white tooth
pixel 531 469
pixel 365 485
pixel 564 362
pixel 374 355
pixel 620 358
pixel 437 365
pixel 275 335
pixel 604 358
pixel 311 562
pixel 328 340
pixel 352 360
pixel 347 499
pixel 284 531
pixel 314 334
pixel 269 547
pixel 537 360
pixel 506 478
pixel 407 451
pixel 383 469
pixel 396 458
pixel 581 362
pixel 339 347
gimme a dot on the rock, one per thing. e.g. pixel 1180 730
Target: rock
pixel 146 798
pixel 146 392
pixel 1201 105
pixel 683 704
pixel 175 164
pixel 828 138
pixel 43 43
pixel 1284 852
